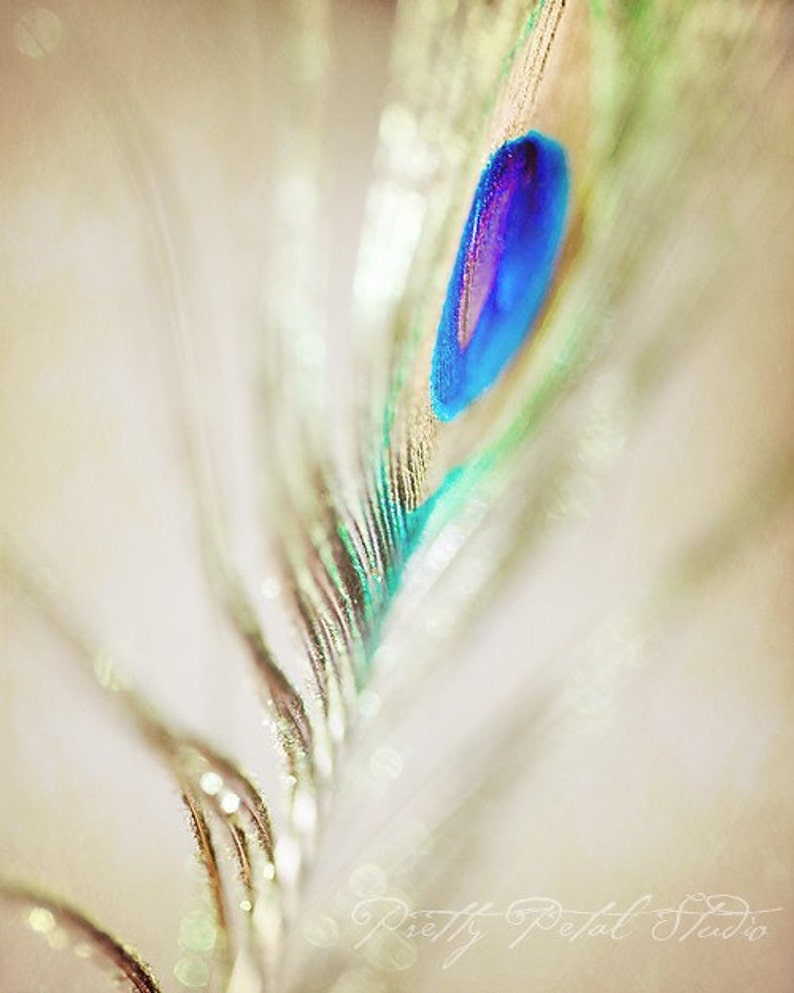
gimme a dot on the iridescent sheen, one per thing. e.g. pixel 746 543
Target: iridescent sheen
pixel 503 270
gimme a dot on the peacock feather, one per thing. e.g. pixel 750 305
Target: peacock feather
pixel 397 520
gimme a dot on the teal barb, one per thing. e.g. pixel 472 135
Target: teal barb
pixel 503 270
pixel 502 275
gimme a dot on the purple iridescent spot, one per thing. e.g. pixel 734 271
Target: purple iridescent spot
pixel 503 270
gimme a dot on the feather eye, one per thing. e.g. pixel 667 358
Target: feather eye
pixel 503 270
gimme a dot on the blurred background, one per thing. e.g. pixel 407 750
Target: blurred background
pixel 616 723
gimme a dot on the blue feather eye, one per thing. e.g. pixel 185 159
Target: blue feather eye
pixel 503 270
